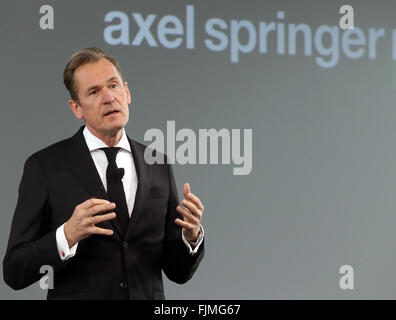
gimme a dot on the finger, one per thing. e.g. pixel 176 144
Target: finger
pixel 100 208
pixel 92 202
pixel 89 223
pixel 195 200
pixel 184 224
pixel 105 232
pixel 192 208
pixel 103 217
pixel 188 215
pixel 186 189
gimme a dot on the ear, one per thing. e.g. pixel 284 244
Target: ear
pixel 129 99
pixel 76 109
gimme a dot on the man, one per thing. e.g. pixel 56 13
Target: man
pixel 91 207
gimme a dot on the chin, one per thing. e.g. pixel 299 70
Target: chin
pixel 116 126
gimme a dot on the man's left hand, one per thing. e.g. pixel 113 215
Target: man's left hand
pixel 192 214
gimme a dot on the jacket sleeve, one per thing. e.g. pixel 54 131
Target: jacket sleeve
pixel 178 265
pixel 31 243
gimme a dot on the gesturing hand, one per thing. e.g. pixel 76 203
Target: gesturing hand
pixel 192 214
pixel 82 223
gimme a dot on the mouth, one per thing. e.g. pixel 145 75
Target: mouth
pixel 112 112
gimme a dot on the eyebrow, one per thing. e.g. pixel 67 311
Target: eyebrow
pixel 97 86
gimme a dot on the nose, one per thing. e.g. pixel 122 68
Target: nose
pixel 107 96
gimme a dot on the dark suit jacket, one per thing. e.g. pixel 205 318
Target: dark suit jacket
pixel 58 178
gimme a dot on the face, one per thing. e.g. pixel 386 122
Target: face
pixel 104 98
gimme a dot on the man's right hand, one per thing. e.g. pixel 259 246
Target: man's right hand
pixel 82 223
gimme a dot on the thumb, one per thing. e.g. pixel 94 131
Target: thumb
pixel 186 189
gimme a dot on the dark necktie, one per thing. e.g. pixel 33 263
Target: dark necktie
pixel 115 189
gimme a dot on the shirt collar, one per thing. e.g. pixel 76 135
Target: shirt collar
pixel 95 143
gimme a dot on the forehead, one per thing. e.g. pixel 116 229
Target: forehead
pixel 94 73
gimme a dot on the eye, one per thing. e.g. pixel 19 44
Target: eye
pixel 114 85
pixel 93 92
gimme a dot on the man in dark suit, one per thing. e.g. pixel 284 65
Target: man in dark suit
pixel 91 207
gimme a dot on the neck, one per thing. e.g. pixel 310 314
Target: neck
pixel 111 138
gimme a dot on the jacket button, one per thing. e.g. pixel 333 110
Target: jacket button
pixel 123 285
pixel 125 244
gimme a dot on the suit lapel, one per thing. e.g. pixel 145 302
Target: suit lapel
pixel 83 166
pixel 144 178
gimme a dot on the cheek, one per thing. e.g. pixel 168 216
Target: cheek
pixel 125 103
pixel 94 115
pixel 126 98
pixel 126 113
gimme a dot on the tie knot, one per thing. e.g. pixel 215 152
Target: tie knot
pixel 111 153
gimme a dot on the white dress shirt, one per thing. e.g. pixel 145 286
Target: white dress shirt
pixel 130 182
